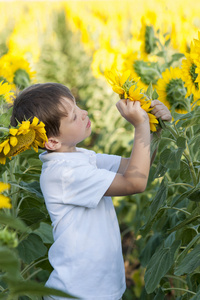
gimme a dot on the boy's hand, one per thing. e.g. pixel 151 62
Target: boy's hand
pixel 132 112
pixel 160 111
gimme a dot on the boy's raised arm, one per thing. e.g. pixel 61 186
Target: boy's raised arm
pixel 135 177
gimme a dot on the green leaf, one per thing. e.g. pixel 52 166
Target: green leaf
pixel 177 56
pixel 31 215
pixel 196 297
pixel 171 158
pixel 147 227
pixel 191 219
pixel 32 187
pixel 185 174
pixel 31 248
pixel 191 122
pixel 151 246
pixel 160 295
pixel 160 197
pixel 149 91
pixel 13 222
pixel 155 95
pixel 160 54
pixel 9 262
pixel 159 265
pixel 19 288
pixel 160 171
pixel 5 118
pixel 181 142
pixel 189 263
pixel 188 247
pixel 167 42
pixel 183 196
pixel 195 195
pixel 45 232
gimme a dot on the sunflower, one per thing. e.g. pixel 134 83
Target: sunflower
pixel 136 95
pixel 5 91
pixel 4 201
pixel 120 82
pixel 147 35
pixel 147 71
pixel 25 136
pixel 153 121
pixel 16 70
pixel 171 90
pixel 190 69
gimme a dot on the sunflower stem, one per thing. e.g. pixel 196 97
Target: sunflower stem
pixel 186 153
pixel 172 131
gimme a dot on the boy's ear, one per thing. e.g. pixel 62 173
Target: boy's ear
pixel 52 144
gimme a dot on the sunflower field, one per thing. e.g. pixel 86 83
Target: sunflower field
pixel 104 50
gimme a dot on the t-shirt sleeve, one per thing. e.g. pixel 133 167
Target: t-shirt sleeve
pixel 84 184
pixel 108 162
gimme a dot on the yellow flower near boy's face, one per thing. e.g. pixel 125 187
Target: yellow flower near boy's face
pixel 120 82
pixel 4 201
pixel 136 95
pixel 116 80
pixel 152 119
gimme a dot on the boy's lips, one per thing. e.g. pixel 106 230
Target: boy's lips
pixel 88 124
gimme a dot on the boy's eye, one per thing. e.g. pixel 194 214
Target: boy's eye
pixel 75 117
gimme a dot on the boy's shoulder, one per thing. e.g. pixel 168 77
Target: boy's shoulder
pixel 80 155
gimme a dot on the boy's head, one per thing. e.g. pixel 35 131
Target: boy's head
pixel 44 101
pixel 52 103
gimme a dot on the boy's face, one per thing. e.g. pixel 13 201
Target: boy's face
pixel 74 128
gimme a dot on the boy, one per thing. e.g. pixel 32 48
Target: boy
pixel 77 184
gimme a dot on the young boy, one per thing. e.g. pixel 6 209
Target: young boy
pixel 77 185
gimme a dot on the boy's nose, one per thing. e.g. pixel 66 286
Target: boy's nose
pixel 84 114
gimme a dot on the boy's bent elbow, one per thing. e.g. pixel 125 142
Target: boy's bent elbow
pixel 138 187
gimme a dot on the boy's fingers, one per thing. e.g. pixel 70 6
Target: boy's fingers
pixel 155 102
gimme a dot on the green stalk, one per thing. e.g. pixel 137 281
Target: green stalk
pixel 186 153
pixel 181 184
pixel 179 209
pixel 180 289
pixel 176 278
pixel 27 268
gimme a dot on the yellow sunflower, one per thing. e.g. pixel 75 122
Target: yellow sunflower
pixel 147 35
pixel 146 105
pixel 147 71
pixel 171 90
pixel 135 94
pixel 4 200
pixel 120 82
pixel 16 70
pixel 25 136
pixel 5 91
pixel 190 69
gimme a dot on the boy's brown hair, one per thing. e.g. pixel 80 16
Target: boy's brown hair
pixel 44 101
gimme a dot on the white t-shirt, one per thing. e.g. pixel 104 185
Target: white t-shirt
pixel 86 254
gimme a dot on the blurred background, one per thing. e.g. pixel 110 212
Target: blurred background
pixel 74 43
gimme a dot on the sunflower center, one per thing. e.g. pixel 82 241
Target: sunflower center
pixel 147 71
pixel 24 143
pixel 194 75
pixel 21 79
pixel 150 41
pixel 176 93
